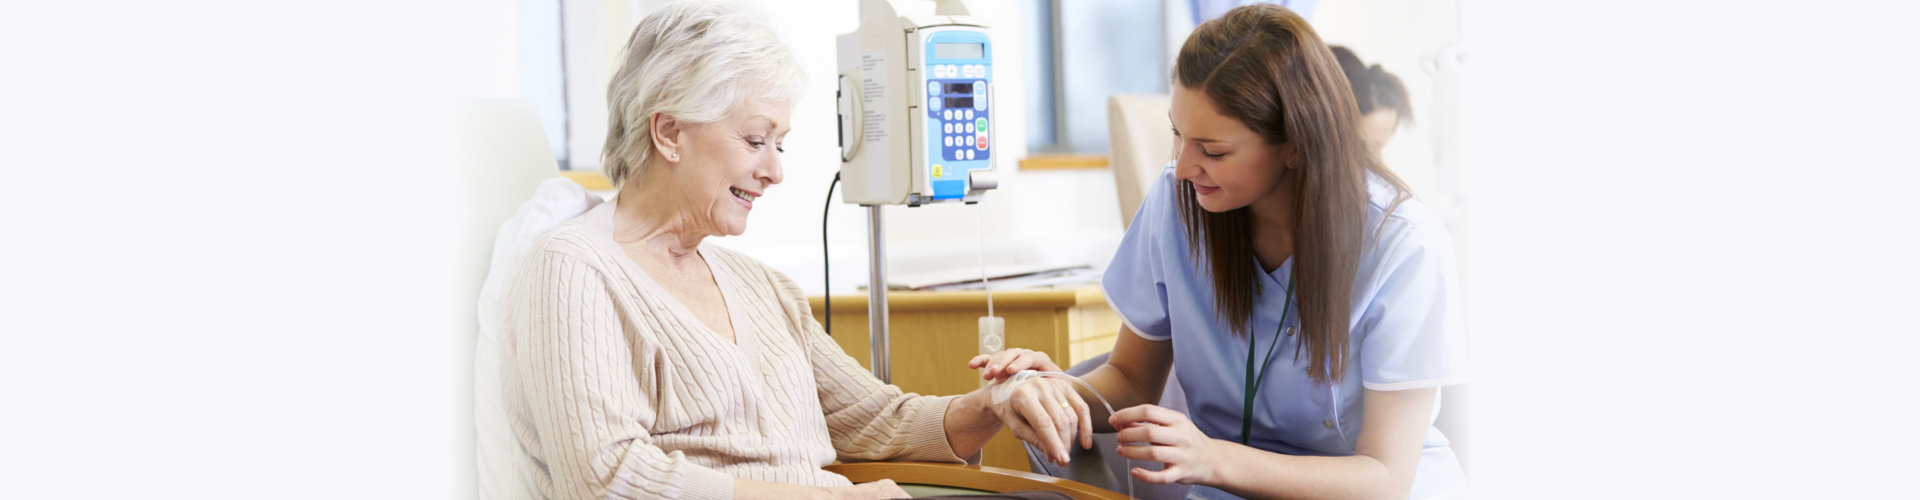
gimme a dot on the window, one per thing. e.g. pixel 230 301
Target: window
pixel 1081 53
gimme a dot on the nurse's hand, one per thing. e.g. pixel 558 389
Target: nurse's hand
pixel 1155 434
pixel 1005 363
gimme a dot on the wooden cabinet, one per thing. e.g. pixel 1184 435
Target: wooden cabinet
pixel 933 334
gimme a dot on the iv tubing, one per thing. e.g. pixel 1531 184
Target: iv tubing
pixel 984 284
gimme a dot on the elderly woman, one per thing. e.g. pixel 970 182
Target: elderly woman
pixel 641 362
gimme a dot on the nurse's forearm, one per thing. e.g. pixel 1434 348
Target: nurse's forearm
pixel 1135 374
pixel 1121 390
pixel 1255 473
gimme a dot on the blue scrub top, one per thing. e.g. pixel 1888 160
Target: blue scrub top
pixel 1406 333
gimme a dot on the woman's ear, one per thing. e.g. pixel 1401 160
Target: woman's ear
pixel 667 133
pixel 1290 157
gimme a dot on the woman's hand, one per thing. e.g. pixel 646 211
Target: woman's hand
pixel 1005 363
pixel 1044 411
pixel 883 489
pixel 1155 434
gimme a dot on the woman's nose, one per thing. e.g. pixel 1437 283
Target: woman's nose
pixel 770 172
pixel 1182 168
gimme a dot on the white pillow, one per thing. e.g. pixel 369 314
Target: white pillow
pixel 503 473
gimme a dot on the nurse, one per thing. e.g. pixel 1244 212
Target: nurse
pixel 1305 301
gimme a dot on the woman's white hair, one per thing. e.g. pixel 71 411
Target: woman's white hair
pixel 692 60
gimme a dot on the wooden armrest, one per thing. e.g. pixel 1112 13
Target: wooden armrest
pixel 976 477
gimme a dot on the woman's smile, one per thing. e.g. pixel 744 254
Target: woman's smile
pixel 743 197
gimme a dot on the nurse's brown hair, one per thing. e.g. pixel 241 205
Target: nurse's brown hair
pixel 1262 65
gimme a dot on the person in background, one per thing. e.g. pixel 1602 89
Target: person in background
pixel 640 362
pixel 1278 242
pixel 1382 99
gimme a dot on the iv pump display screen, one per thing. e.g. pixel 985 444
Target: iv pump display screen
pixel 959 50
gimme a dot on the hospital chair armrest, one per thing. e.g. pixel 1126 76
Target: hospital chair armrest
pixel 976 477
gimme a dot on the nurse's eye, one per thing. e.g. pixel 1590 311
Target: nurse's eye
pixel 1203 151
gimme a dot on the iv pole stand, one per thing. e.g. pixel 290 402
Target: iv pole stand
pixel 877 296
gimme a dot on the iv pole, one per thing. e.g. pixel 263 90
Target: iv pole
pixel 882 37
pixel 877 296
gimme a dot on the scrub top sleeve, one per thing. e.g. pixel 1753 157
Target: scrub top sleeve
pixel 1135 281
pixel 1413 333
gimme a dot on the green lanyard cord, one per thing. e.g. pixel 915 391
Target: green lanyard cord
pixel 1253 378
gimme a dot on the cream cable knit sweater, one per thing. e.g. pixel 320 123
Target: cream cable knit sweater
pixel 616 390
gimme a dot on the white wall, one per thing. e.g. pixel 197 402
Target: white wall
pixel 1408 39
pixel 491 64
pixel 1396 35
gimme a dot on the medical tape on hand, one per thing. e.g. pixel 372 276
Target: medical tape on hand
pixel 1004 389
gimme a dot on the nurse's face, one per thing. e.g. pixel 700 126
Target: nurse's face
pixel 1377 127
pixel 1229 165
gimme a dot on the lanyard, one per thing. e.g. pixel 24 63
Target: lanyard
pixel 1254 378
